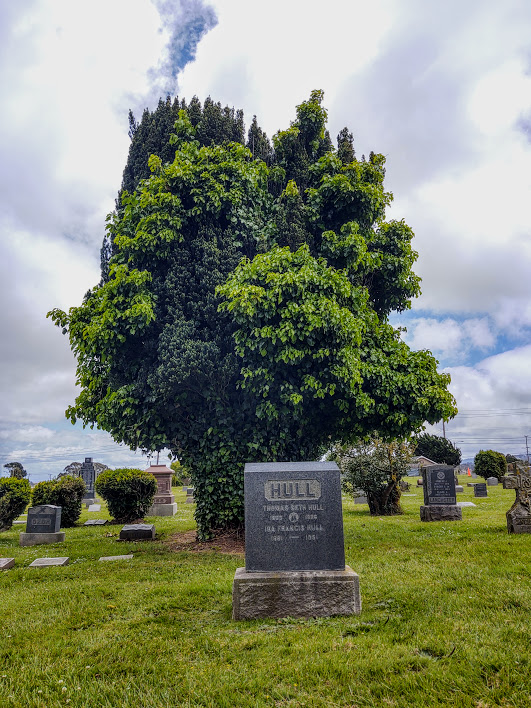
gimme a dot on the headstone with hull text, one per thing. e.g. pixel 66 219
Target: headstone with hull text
pixel 294 548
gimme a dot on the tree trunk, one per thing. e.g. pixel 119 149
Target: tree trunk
pixel 386 501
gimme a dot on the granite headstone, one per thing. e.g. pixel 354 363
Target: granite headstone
pixel 439 494
pixel 519 515
pixel 480 489
pixel 294 549
pixel 45 518
pixel 88 475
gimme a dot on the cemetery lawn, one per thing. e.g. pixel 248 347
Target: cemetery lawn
pixel 446 620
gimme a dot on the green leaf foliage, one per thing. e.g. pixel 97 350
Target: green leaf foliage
pixel 489 463
pixel 66 492
pixel 374 467
pixel 15 495
pixel 128 492
pixel 438 449
pixel 243 315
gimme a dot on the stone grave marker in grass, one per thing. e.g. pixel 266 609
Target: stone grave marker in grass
pixel 94 507
pixel 294 548
pixel 519 515
pixel 439 494
pixel 137 532
pixel 95 522
pixel 115 558
pixel 492 481
pixel 43 526
pixel 88 474
pixel 480 489
pixel 164 501
pixel 6 563
pixel 45 562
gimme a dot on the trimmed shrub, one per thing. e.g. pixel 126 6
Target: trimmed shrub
pixel 128 492
pixel 489 463
pixel 15 495
pixel 66 492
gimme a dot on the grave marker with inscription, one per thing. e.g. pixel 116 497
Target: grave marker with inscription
pixel 164 501
pixel 43 526
pixel 294 549
pixel 519 515
pixel 439 494
pixel 88 475
pixel 480 489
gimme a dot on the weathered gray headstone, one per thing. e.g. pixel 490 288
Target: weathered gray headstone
pixel 6 563
pixel 519 515
pixel 492 481
pixel 294 549
pixel 94 507
pixel 480 490
pixel 459 489
pixel 116 558
pixel 43 526
pixel 439 494
pixel 137 532
pixel 45 562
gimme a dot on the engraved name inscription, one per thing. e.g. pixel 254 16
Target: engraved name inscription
pixel 300 490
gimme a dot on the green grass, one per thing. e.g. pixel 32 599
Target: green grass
pixel 445 622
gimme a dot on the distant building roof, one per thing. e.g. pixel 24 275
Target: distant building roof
pixel 421 461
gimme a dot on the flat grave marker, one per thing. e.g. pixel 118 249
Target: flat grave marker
pixel 45 562
pixel 6 563
pixel 116 558
pixel 137 532
pixel 95 522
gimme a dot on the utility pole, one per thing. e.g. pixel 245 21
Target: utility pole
pixel 444 431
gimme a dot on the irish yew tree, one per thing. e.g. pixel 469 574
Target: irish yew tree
pixel 244 316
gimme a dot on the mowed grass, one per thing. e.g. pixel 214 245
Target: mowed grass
pixel 446 620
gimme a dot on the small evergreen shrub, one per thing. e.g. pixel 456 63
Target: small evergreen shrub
pixel 15 495
pixel 128 492
pixel 489 463
pixel 66 492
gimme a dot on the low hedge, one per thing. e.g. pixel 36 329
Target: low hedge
pixel 15 495
pixel 128 492
pixel 66 492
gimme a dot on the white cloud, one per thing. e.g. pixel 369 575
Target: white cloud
pixel 448 338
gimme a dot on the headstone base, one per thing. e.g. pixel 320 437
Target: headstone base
pixel 162 509
pixel 35 539
pixel 307 593
pixel 137 532
pixel 441 512
pixel 518 520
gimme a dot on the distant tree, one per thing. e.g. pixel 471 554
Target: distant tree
pixel 510 458
pixel 489 463
pixel 258 143
pixel 16 470
pixel 376 468
pixel 74 469
pixel 438 449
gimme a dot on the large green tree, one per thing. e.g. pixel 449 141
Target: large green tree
pixel 16 469
pixel 438 449
pixel 244 316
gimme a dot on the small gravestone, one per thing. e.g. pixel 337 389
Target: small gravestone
pixel 95 522
pixel 116 558
pixel 45 562
pixel 459 489
pixel 361 498
pixel 519 515
pixel 474 475
pixel 137 532
pixel 480 490
pixel 419 482
pixel 88 475
pixel 6 563
pixel 465 504
pixel 294 549
pixel 164 501
pixel 190 495
pixel 43 526
pixel 439 494
pixel 94 507
pixel 492 481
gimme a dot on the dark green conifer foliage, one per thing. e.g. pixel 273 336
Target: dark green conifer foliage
pixel 345 146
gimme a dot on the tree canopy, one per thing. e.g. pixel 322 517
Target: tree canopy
pixel 489 463
pixel 243 309
pixel 16 469
pixel 438 449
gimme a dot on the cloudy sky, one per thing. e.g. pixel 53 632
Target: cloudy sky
pixel 442 89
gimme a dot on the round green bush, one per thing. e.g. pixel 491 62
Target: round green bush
pixel 489 463
pixel 15 495
pixel 66 492
pixel 128 492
